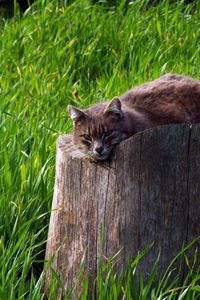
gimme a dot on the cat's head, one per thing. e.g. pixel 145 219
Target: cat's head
pixel 97 129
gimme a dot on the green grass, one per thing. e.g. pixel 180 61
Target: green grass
pixel 53 55
pixel 131 284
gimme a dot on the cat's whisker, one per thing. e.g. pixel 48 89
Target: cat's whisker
pixel 78 154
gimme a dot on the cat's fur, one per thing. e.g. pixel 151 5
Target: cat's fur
pixel 171 99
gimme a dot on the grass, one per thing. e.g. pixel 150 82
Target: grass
pixel 131 284
pixel 53 55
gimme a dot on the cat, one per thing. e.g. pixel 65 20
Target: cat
pixel 171 99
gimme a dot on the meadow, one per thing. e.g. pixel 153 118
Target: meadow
pixel 57 54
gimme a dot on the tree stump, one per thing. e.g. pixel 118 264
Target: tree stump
pixel 150 192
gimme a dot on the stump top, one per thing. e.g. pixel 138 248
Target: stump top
pixel 156 135
pixel 65 144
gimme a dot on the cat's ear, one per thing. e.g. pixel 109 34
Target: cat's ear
pixel 75 113
pixel 114 107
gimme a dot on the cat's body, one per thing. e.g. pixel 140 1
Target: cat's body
pixel 171 99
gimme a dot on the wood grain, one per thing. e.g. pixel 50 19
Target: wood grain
pixel 148 193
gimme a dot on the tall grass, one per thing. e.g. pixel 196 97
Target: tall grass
pixel 57 54
pixel 131 283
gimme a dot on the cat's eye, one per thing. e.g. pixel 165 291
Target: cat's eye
pixel 107 133
pixel 86 137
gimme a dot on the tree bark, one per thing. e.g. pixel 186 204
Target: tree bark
pixel 148 193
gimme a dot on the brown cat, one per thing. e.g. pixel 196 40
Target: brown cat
pixel 171 99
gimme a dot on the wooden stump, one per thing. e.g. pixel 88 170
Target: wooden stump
pixel 150 192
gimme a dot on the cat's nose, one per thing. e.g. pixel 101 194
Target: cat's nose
pixel 98 149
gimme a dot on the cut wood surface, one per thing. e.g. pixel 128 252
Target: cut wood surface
pixel 150 192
